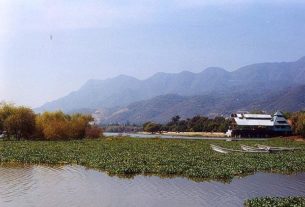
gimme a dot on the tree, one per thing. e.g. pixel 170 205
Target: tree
pixel 52 125
pixel 152 127
pixel 175 119
pixel 298 123
pixel 78 124
pixel 93 132
pixel 195 124
pixel 20 123
pixel 182 126
pixel 60 126
pixel 6 110
pixel 145 124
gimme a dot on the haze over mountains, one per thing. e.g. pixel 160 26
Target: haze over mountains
pixel 214 91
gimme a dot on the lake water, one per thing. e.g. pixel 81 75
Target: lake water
pixel 162 136
pixel 27 186
pixel 139 135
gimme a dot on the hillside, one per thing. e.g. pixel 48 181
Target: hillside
pixel 123 90
pixel 162 108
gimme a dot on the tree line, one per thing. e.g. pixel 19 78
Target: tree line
pixel 217 124
pixel 297 121
pixel 195 124
pixel 19 122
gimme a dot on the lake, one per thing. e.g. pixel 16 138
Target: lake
pixel 162 136
pixel 74 185
pixel 139 135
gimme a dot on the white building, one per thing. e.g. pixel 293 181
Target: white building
pixel 261 125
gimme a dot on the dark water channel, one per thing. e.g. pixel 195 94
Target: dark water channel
pixel 27 186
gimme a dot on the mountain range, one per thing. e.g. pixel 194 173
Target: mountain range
pixel 214 91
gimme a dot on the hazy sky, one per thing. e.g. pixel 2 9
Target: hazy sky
pixel 49 48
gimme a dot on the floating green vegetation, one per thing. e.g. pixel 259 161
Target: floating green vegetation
pixel 276 202
pixel 130 156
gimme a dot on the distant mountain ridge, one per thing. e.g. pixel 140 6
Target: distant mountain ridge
pixel 124 90
pixel 162 108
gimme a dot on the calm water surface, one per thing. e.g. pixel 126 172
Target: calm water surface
pixel 162 136
pixel 139 135
pixel 77 186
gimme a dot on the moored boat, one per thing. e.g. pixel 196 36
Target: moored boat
pixel 275 149
pixel 253 149
pixel 227 150
pixel 219 149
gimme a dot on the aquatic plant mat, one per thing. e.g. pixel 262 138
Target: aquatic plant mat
pixel 276 202
pixel 130 156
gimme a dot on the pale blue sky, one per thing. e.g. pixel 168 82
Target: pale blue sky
pixel 101 39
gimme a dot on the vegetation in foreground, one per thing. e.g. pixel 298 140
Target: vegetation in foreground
pixel 130 156
pixel 276 202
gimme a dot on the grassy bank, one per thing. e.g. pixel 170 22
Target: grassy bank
pixel 276 202
pixel 129 156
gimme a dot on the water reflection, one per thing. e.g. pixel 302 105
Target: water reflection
pixel 77 186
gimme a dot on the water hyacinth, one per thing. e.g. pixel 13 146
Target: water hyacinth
pixel 131 156
pixel 276 202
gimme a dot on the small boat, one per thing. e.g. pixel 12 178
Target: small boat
pixel 253 149
pixel 219 149
pixel 227 150
pixel 276 149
